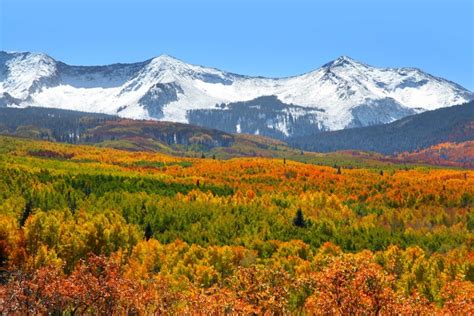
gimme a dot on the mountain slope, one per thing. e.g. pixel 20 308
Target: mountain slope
pixel 443 154
pixel 187 140
pixel 135 135
pixel 343 93
pixel 452 124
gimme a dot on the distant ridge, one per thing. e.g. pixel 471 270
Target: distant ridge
pixel 453 124
pixel 341 94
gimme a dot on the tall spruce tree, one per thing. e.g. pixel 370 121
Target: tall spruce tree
pixel 148 232
pixel 299 220
pixel 26 212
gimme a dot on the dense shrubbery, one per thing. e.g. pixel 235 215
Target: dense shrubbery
pixel 87 230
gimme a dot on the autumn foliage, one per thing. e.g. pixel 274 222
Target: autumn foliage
pixel 85 230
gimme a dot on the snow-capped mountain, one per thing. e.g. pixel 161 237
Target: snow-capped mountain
pixel 343 93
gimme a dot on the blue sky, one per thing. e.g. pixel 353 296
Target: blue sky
pixel 259 37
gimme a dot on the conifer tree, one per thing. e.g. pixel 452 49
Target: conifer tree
pixel 26 212
pixel 299 220
pixel 148 231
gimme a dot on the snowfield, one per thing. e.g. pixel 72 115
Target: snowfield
pixel 346 92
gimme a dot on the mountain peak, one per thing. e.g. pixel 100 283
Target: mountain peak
pixel 344 58
pixel 342 61
pixel 166 59
pixel 26 54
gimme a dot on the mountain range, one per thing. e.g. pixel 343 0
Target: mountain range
pixel 341 94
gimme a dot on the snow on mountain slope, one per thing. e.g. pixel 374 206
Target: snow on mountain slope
pixel 343 93
pixel 22 73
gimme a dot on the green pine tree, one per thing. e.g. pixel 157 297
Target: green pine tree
pixel 148 232
pixel 26 212
pixel 299 220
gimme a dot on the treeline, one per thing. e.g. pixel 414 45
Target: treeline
pixel 452 124
pixel 92 128
pixel 413 133
pixel 259 116
pixel 49 124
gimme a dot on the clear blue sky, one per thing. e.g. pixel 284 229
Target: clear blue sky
pixel 259 37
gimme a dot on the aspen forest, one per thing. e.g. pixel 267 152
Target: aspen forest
pixel 89 230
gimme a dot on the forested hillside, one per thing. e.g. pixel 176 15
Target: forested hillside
pixel 182 139
pixel 453 124
pixel 447 154
pixel 49 124
pixel 102 231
